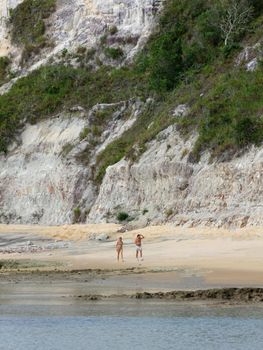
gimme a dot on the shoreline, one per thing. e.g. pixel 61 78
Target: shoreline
pixel 96 285
pixel 81 261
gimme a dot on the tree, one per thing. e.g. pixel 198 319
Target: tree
pixel 235 17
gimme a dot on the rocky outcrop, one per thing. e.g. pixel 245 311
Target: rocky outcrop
pixel 77 23
pixel 44 177
pixel 166 187
pixel 250 57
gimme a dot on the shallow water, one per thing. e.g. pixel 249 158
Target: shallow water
pixel 130 324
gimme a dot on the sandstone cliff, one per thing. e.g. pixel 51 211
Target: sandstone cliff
pixel 44 178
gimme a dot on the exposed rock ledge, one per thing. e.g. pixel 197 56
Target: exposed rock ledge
pixel 236 295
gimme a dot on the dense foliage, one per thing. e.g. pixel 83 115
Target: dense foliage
pixel 231 114
pixel 189 37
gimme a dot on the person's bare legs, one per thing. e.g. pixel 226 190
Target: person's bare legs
pixel 120 253
pixel 141 254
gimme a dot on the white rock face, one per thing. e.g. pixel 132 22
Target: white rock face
pixel 42 180
pixel 170 188
pixel 82 22
pixel 78 22
pixel 36 183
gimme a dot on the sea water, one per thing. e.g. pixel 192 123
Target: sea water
pixel 130 325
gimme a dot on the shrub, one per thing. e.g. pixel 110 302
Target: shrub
pixel 113 53
pixel 76 215
pixel 248 130
pixel 122 216
pixel 169 212
pixel 113 30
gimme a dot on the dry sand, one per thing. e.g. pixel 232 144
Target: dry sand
pixel 65 232
pixel 221 256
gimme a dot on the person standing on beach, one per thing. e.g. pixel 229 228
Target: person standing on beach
pixel 119 249
pixel 138 244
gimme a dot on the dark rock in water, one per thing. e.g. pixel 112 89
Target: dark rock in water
pixel 226 294
pixel 144 295
pixel 231 295
pixel 91 297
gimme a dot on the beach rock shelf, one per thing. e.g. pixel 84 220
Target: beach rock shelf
pixel 221 294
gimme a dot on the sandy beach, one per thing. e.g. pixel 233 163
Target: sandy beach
pixel 174 257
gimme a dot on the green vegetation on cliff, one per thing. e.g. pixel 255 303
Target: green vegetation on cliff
pixel 52 89
pixel 192 34
pixel 190 58
pixel 229 116
pixel 28 24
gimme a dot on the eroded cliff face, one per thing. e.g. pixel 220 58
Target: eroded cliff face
pixel 43 180
pixel 78 23
pixel 163 186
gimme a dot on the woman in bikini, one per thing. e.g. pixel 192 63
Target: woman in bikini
pixel 119 249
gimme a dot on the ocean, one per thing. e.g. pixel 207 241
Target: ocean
pixel 130 325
